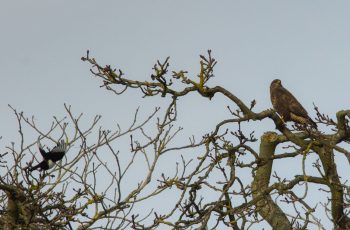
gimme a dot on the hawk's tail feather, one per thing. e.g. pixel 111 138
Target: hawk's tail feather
pixel 312 123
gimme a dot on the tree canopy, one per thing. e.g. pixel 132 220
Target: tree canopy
pixel 227 180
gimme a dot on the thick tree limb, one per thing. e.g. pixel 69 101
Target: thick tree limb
pixel 268 209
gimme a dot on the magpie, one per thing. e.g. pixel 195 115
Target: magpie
pixel 51 157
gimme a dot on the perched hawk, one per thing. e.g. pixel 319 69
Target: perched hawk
pixel 287 106
pixel 56 154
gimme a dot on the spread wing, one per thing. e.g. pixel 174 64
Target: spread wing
pixel 42 151
pixel 57 153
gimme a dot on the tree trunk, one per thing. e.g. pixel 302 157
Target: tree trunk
pixel 268 209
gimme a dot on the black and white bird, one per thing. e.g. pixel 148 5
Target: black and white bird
pixel 51 157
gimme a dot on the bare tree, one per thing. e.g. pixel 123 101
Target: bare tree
pixel 207 191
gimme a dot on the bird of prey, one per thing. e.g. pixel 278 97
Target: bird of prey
pixel 287 106
pixel 51 157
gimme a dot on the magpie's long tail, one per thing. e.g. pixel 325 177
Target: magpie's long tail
pixel 34 167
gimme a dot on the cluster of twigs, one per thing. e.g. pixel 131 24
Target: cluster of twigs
pixel 226 182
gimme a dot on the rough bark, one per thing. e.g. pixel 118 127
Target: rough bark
pixel 268 209
pixel 19 211
pixel 341 221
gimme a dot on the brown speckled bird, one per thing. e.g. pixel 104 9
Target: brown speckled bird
pixel 287 106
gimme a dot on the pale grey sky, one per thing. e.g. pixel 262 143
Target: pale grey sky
pixel 304 43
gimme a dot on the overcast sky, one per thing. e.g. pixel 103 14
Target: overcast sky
pixel 306 44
